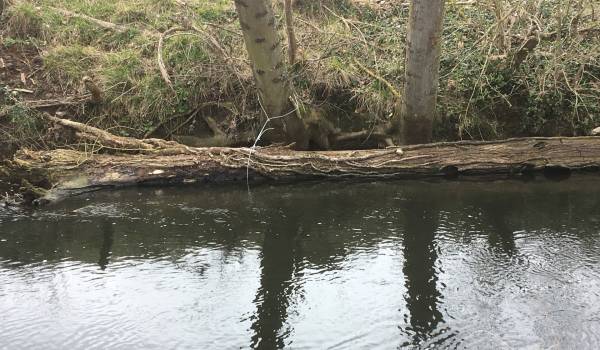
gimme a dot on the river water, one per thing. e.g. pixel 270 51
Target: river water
pixel 316 266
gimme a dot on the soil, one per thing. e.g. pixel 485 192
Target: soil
pixel 20 78
pixel 21 68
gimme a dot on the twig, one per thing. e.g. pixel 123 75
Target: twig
pixel 485 64
pixel 263 130
pixel 161 62
pixel 104 24
pixel 74 100
pixel 170 33
pixel 191 12
pixel 173 117
pixel 99 22
pixel 192 116
pixel 389 85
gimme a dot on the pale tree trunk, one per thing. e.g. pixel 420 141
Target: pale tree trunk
pixel 266 55
pixel 421 70
pixel 264 49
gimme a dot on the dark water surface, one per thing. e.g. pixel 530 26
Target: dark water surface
pixel 332 266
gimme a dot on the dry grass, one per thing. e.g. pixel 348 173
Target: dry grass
pixel 483 94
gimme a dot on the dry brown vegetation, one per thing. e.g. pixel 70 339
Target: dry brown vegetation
pixel 509 68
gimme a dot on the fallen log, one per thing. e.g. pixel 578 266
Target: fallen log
pixel 66 172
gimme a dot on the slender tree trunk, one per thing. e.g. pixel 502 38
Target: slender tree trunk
pixel 500 25
pixel 266 55
pixel 421 70
pixel 289 25
pixel 264 49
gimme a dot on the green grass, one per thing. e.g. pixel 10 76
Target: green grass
pixel 480 95
pixel 24 22
pixel 67 65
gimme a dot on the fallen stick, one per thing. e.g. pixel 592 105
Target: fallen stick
pixel 98 22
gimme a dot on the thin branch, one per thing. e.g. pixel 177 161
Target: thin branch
pixel 161 63
pixel 389 85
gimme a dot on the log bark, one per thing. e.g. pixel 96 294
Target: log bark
pixel 67 172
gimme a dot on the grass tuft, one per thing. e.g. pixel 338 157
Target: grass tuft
pixel 23 22
pixel 67 65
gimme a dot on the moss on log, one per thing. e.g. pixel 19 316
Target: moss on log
pixel 68 172
pixel 60 173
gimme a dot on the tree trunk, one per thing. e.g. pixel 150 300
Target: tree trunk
pixel 421 70
pixel 500 26
pixel 137 162
pixel 289 26
pixel 264 49
pixel 266 55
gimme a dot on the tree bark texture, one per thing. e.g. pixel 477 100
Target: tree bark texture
pixel 131 162
pixel 265 51
pixel 423 46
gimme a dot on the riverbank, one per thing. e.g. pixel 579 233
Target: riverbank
pixel 178 71
pixel 539 76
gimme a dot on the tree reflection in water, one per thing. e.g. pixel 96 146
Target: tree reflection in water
pixel 280 253
pixel 108 233
pixel 420 256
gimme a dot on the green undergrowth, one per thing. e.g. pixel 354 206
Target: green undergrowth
pixel 555 90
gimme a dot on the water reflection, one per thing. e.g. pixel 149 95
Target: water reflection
pixel 378 265
pixel 108 233
pixel 280 252
pixel 495 215
pixel 420 257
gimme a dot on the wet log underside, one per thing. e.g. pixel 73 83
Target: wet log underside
pixel 138 162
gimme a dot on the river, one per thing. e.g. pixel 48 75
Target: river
pixel 384 265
